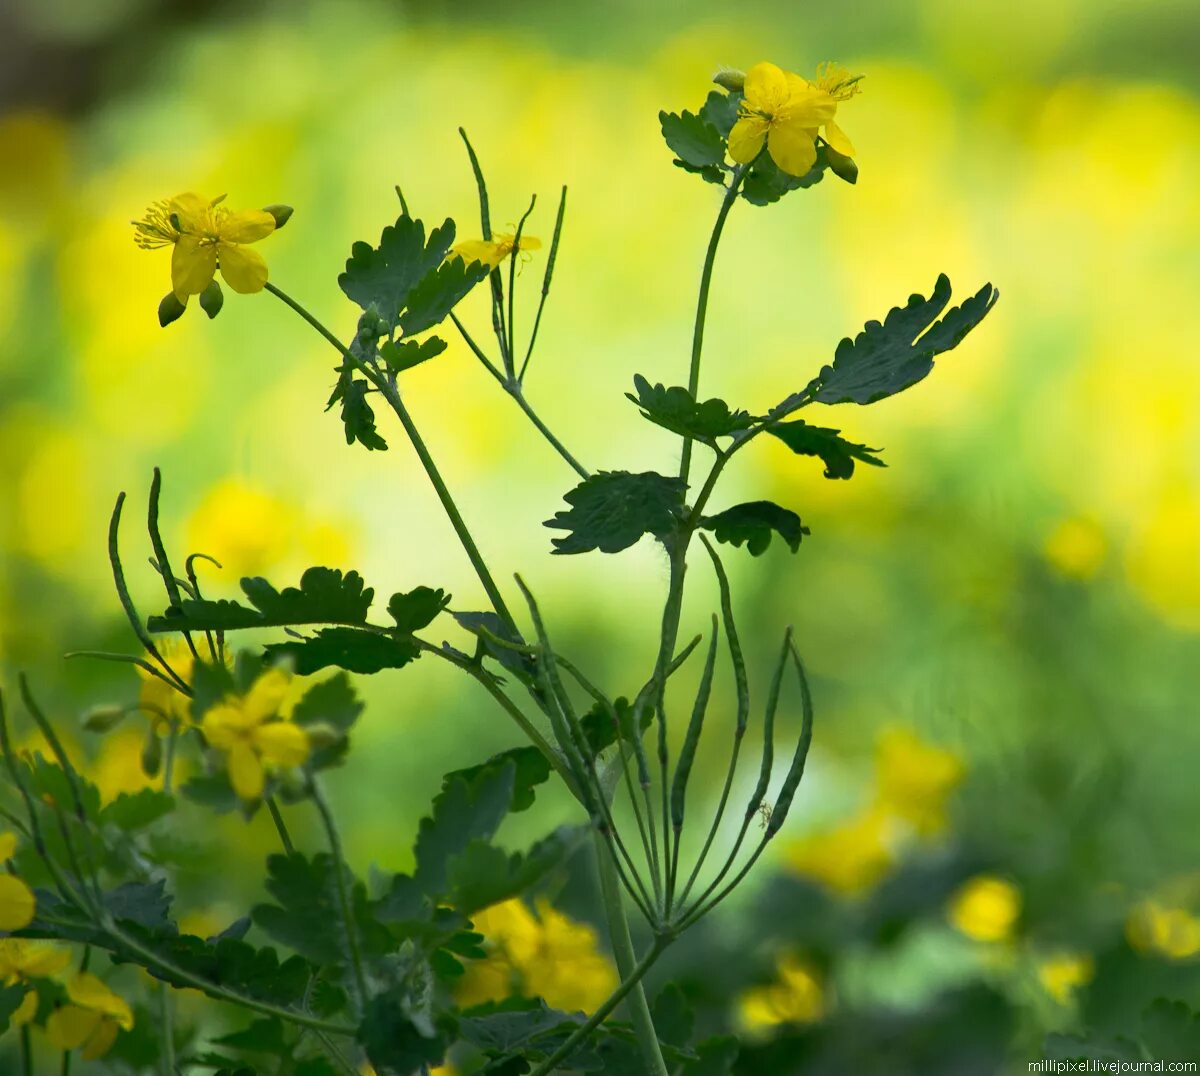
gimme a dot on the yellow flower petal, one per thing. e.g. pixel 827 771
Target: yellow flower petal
pixel 91 992
pixel 747 138
pixel 808 108
pixel 32 959
pixel 26 1011
pixel 70 1026
pixel 8 846
pixel 249 226
pixel 191 209
pixel 225 725
pixel 100 1041
pixel 281 743
pixel 530 242
pixel 266 695
pixel 479 250
pixel 245 771
pixel 192 266
pixel 836 137
pixel 243 269
pixel 17 903
pixel 766 87
pixel 792 148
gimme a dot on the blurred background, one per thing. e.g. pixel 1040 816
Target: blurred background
pixel 1002 626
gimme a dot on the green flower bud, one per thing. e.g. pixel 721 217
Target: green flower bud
pixel 212 299
pixel 841 166
pixel 170 309
pixel 104 718
pixel 151 753
pixel 731 79
pixel 321 735
pixel 281 213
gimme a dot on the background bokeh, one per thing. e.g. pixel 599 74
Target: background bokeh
pixel 1017 594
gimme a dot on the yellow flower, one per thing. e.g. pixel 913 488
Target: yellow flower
pixel 796 997
pixel 986 908
pixel 492 252
pixel 206 236
pixel 915 779
pixel 782 111
pixel 249 730
pixel 22 961
pixel 92 1018
pixel 836 82
pixel 850 858
pixel 163 703
pixel 1172 932
pixel 549 956
pixel 1063 973
pixel 17 903
pixel 1077 548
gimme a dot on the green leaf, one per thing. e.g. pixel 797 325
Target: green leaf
pixel 677 410
pixel 674 1019
pixel 720 110
pixel 212 790
pixel 765 182
pixel 482 875
pixel 10 1000
pixel 262 1036
pixel 417 608
pixel 384 277
pixel 133 811
pixel 600 730
pixel 888 358
pixel 351 649
pixel 835 452
pixel 332 702
pixel 716 1057
pixel 48 782
pixel 611 510
pixel 403 355
pixel 325 596
pixel 438 293
pixel 400 1040
pixel 531 768
pixel 358 416
pixel 692 139
pixel 1170 1029
pixel 753 523
pixel 520 665
pixel 514 1024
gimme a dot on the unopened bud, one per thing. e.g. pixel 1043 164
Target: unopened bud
pixel 281 213
pixel 103 718
pixel 151 753
pixel 321 735
pixel 212 299
pixel 170 309
pixel 840 165
pixel 731 79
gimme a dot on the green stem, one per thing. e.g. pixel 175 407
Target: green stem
pixel 340 869
pixel 65 1068
pixel 710 258
pixel 169 761
pixel 168 1030
pixel 26 1051
pixel 280 826
pixel 631 970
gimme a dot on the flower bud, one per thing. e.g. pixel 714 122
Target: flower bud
pixel 840 165
pixel 103 718
pixel 151 753
pixel 731 79
pixel 170 309
pixel 281 213
pixel 322 735
pixel 212 299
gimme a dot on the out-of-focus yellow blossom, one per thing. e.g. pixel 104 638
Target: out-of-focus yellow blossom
pixel 163 703
pixel 796 997
pixel 1173 932
pixel 850 858
pixel 915 779
pixel 206 236
pixel 1063 973
pixel 17 903
pixel 1076 548
pixel 117 767
pixel 22 961
pixel 784 111
pixel 986 908
pixel 492 252
pixel 92 1018
pixel 249 730
pixel 548 955
pixel 366 1069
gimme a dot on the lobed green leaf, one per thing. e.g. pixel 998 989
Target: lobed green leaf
pixel 753 524
pixel 612 510
pixel 834 451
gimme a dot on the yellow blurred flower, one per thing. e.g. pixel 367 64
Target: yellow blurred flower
pixel 548 955
pixel 1063 973
pixel 986 908
pixel 784 111
pixel 849 858
pixel 249 730
pixel 915 779
pixel 118 766
pixel 492 252
pixel 92 1018
pixel 206 236
pixel 1076 548
pixel 22 961
pixel 163 703
pixel 796 997
pixel 17 902
pixel 1173 932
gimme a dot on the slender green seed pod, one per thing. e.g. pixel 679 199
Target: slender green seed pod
pixel 792 781
pixel 687 753
pixel 768 755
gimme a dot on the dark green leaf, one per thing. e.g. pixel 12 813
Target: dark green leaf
pixel 835 452
pixel 405 354
pixel 315 1066
pixel 520 665
pixel 10 999
pixel 753 523
pixel 399 1041
pixel 351 649
pixel 888 358
pixel 531 769
pixel 383 277
pixel 417 608
pixel 611 510
pixel 438 293
pixel 331 702
pixel 766 183
pixel 482 875
pixel 358 416
pixel 49 783
pixel 600 728
pixel 710 173
pixel 1171 1030
pixel 509 1025
pixel 677 410
pixel 212 790
pixel 674 1019
pixel 262 1036
pixel 720 110
pixel 131 811
pixel 692 139
pixel 716 1057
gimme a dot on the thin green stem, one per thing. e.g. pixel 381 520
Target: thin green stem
pixel 710 258
pixel 26 1051
pixel 343 895
pixel 65 1068
pixel 169 761
pixel 280 826
pixel 167 1018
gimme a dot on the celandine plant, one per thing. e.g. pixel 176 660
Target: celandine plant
pixel 359 974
